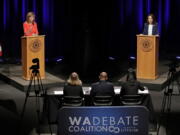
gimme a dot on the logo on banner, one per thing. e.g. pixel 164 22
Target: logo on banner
pixel 105 121
pixel 104 124
pixel 35 45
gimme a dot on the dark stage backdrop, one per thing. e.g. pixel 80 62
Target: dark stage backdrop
pixel 87 32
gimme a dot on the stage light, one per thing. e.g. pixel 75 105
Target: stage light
pixel 178 57
pixel 58 60
pixel 132 57
pixel 111 58
pixel 132 61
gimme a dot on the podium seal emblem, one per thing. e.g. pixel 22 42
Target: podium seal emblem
pixel 146 45
pixel 35 45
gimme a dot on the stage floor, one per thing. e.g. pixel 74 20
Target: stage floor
pixel 158 84
pixel 12 74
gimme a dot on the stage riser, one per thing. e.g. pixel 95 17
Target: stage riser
pixel 12 74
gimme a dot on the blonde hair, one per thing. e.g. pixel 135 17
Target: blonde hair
pixel 74 79
pixel 29 14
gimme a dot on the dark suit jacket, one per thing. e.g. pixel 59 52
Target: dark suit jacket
pixel 73 90
pixel 154 30
pixel 131 88
pixel 102 88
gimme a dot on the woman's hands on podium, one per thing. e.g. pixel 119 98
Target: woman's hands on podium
pixel 34 34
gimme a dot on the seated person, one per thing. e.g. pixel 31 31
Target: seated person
pixel 131 87
pixel 103 87
pixel 73 86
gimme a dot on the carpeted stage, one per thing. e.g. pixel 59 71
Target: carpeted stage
pixel 12 74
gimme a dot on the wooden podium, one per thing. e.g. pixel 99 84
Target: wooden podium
pixel 32 47
pixel 147 56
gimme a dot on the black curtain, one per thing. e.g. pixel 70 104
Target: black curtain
pixel 87 32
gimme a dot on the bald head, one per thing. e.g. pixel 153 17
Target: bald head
pixel 103 76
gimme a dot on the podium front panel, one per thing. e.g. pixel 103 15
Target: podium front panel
pixel 32 47
pixel 147 57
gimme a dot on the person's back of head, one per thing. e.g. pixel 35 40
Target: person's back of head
pixel 103 76
pixel 131 76
pixel 102 88
pixel 74 79
pixel 131 86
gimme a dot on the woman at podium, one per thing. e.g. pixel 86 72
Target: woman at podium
pixel 30 26
pixel 151 26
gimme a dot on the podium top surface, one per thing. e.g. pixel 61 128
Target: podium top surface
pixel 33 36
pixel 141 35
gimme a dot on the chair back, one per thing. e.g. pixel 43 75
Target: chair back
pixel 102 100
pixel 131 100
pixel 72 101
